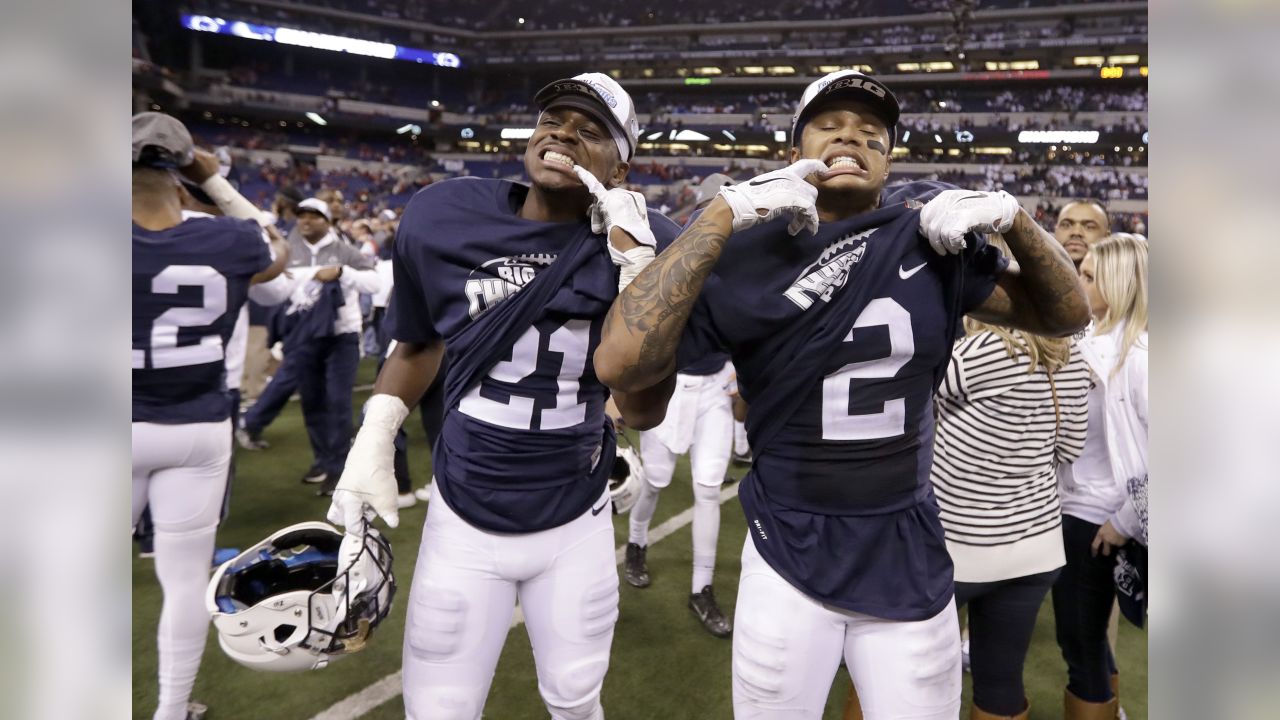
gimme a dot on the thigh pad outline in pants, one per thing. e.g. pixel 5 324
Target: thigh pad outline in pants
pixel 459 614
pixel 906 669
pixel 712 437
pixel 786 647
pixel 659 461
pixel 570 612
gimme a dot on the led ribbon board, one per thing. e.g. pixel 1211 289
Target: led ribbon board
pixel 319 41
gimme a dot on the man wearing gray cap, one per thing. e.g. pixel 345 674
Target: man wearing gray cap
pixel 839 310
pixel 321 365
pixel 190 279
pixel 514 281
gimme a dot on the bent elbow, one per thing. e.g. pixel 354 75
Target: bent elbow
pixel 645 420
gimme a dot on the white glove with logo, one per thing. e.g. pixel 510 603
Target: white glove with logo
pixel 617 208
pixel 626 210
pixel 946 218
pixel 369 480
pixel 764 198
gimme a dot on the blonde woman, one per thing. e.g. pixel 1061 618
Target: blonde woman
pixel 1012 406
pixel 1102 491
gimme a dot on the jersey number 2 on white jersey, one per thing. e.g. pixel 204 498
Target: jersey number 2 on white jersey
pixel 165 352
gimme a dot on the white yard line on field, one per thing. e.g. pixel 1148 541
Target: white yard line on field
pixel 360 703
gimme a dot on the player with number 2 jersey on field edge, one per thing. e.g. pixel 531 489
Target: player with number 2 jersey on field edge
pixel 513 282
pixel 190 280
pixel 839 318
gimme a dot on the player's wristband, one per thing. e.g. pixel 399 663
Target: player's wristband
pixel 231 202
pixel 637 259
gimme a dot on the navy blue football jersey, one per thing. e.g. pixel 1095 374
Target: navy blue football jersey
pixel 189 283
pixel 839 339
pixel 519 304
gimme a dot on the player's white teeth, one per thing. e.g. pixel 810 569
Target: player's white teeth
pixel 844 160
pixel 554 156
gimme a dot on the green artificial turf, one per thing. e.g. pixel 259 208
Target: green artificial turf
pixel 664 665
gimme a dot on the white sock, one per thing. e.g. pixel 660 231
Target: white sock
pixel 706 530
pixel 642 514
pixel 182 565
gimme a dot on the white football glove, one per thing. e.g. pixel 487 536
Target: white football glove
pixel 618 208
pixel 369 479
pixel 764 198
pixel 946 218
pixel 359 566
pixel 622 209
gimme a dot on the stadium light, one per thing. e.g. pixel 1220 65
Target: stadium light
pixel 779 135
pixel 964 136
pixel 691 135
pixel 729 135
pixel 467 133
pixel 405 128
pixel 906 136
pixel 653 135
pixel 316 119
pixel 516 133
pixel 1082 137
pixel 435 103
pixel 937 138
pixel 318 41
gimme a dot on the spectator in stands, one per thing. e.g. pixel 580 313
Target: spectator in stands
pixel 1103 492
pixel 997 492
pixel 1080 225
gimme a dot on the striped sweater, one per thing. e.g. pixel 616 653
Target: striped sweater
pixel 998 441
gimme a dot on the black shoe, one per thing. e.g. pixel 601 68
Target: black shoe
pixel 327 486
pixel 703 604
pixel 635 569
pixel 315 475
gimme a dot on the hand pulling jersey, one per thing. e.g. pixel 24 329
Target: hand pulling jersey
pixel 519 304
pixel 839 339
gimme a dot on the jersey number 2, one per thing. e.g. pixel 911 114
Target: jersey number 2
pixel 837 422
pixel 571 341
pixel 165 352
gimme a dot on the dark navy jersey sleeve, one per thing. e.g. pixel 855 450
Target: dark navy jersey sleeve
pixel 983 266
pixel 412 321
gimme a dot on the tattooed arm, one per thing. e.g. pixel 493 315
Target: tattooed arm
pixel 643 328
pixel 1043 295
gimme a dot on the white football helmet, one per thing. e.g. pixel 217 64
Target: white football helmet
pixel 280 605
pixel 625 478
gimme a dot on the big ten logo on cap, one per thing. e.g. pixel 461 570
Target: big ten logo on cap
pixel 604 93
pixel 865 83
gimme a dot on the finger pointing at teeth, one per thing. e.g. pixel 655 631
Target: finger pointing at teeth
pixel 593 185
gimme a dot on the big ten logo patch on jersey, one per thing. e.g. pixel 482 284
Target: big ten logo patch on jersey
pixel 821 278
pixel 501 278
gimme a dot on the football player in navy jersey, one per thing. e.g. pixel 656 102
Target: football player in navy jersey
pixel 512 282
pixel 190 280
pixel 839 318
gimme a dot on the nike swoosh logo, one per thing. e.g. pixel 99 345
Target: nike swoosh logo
pixel 597 511
pixel 765 182
pixel 904 274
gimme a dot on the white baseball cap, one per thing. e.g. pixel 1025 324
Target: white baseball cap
pixel 855 85
pixel 315 205
pixel 599 95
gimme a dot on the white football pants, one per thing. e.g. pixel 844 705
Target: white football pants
pixel 464 591
pixel 181 471
pixel 699 421
pixel 787 648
